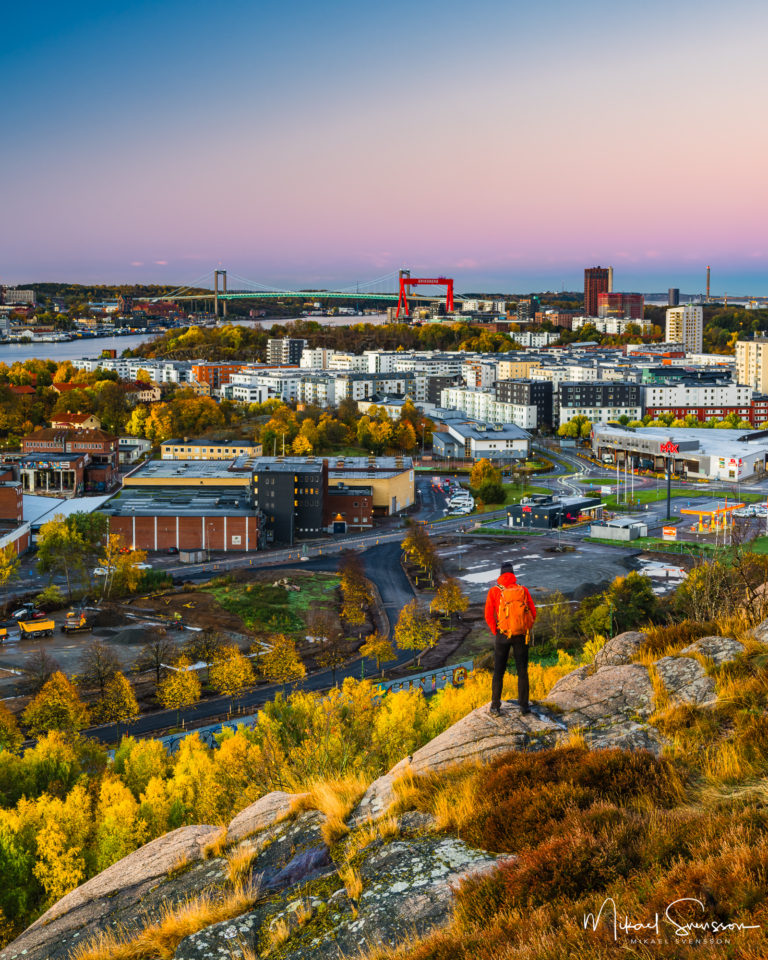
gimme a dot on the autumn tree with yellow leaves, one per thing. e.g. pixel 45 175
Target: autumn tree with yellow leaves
pixel 119 704
pixel 56 707
pixel 181 688
pixel 378 648
pixel 416 630
pixel 231 672
pixel 282 664
pixel 449 599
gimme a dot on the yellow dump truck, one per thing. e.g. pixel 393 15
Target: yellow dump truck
pixel 33 629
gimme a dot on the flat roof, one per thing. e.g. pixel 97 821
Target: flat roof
pixel 209 443
pixel 39 510
pixel 202 501
pixel 173 469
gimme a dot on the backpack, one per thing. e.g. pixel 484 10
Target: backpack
pixel 514 617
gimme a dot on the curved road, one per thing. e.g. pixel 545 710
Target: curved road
pixel 382 566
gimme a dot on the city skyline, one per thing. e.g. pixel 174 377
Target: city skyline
pixel 302 146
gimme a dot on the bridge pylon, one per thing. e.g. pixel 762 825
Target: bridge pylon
pixel 216 275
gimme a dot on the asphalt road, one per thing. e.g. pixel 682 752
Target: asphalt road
pixel 382 566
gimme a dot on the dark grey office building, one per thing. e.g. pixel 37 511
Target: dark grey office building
pixel 529 393
pixel 526 309
pixel 435 385
pixel 673 297
pixel 548 512
pixel 290 493
pixel 600 393
pixel 286 351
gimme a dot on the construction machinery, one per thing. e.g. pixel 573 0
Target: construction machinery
pixel 76 622
pixel 33 629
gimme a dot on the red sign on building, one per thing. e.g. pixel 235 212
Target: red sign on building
pixel 669 447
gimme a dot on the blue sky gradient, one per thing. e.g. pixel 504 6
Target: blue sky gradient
pixel 506 143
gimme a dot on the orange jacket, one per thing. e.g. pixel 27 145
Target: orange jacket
pixel 494 595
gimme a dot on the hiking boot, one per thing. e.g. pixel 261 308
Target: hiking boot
pixel 525 710
pixel 494 711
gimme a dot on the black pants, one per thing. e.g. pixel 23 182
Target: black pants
pixel 519 647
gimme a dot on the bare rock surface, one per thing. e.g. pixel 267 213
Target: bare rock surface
pixel 478 737
pixel 718 649
pixel 612 694
pixel 686 680
pixel 263 813
pixel 620 649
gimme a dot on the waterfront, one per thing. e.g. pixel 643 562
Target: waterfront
pixel 69 349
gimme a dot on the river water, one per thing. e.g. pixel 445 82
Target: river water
pixel 92 347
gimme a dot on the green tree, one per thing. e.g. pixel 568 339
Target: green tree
pixel 56 707
pixel 59 550
pixel 629 602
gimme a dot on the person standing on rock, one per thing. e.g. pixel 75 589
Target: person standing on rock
pixel 510 613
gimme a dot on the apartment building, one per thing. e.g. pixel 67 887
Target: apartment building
pixel 685 324
pixel 600 401
pixel 481 405
pixel 286 351
pixel 527 393
pixel 752 363
pixel 208 449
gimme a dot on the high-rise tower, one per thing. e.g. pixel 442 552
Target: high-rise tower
pixel 597 280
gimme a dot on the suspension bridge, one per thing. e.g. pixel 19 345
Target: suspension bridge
pixel 397 287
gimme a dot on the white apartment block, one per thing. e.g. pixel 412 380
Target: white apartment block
pixel 599 414
pixel 479 373
pixel 698 395
pixel 314 358
pixel 347 361
pixel 612 325
pixel 529 338
pixel 752 363
pixel 480 405
pixel 685 324
pixel 318 389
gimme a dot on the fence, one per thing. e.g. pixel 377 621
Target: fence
pixel 429 682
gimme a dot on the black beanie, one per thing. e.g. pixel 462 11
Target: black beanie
pixel 507 567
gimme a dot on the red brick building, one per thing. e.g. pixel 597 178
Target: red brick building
pixel 65 462
pixel 13 530
pixel 347 508
pixel 622 306
pixel 206 518
pixel 596 281
pixel 214 374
